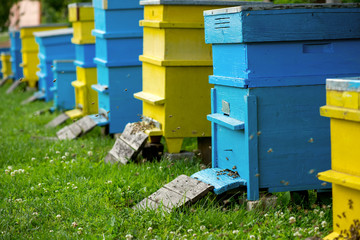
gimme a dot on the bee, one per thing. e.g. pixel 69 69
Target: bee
pixel 203 134
pixel 227 158
pixel 108 112
pixel 311 140
pixel 270 150
pixel 286 183
pixel 218 178
pixel 257 175
pixel 251 137
pixel 125 90
pixel 324 184
pixel 54 80
pixel 93 103
pixel 234 167
pixel 52 66
pixel 248 14
pixel 339 216
pixel 350 202
pixel 311 171
pixel 96 115
pixel 338 225
pixel 178 128
pixel 344 215
pixel 259 133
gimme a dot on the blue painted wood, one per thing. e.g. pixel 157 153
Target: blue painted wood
pixel 64 94
pixel 226 121
pixel 16 56
pixel 109 21
pixel 115 4
pixel 284 63
pixel 2 50
pixel 221 182
pixel 248 24
pixel 55 44
pixel 116 86
pixel 108 51
pixel 85 54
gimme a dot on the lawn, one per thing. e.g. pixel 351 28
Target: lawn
pixel 63 190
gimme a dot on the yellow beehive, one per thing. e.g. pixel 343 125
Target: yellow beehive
pixel 30 50
pixel 6 65
pixel 85 97
pixel 176 66
pixel 82 17
pixel 343 109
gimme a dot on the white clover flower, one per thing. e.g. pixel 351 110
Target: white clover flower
pixel 7 171
pixel 32 188
pixel 57 152
pixel 35 214
pixel 80 229
pixel 292 220
pixel 265 215
pixel 150 229
pixel 67 162
pixel 316 210
pixel 68 183
pixel 129 237
pixel 19 200
pixel 66 154
pixel 16 171
pixel 202 228
pixel 205 233
pixel 51 161
pixel 189 230
pixel 56 191
pixel 73 160
pixel 160 167
pixel 62 161
pixel 252 237
pixel 33 159
pixel 194 235
pixel 316 229
pixel 74 224
pixel 171 232
pixel 75 187
pixel 58 216
pixel 46 158
pixel 12 174
pixel 235 231
pixel 39 184
pixel 90 153
pixel 148 167
pixel 51 231
pixel 297 234
pixel 322 213
pixel 323 223
pixel 64 167
pixel 21 170
pixel 10 168
pixel 63 157
pixel 230 223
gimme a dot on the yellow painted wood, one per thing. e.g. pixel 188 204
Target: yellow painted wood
pixel 75 113
pixel 30 50
pixel 154 132
pixel 6 65
pixel 346 199
pixel 331 236
pixel 340 113
pixel 80 12
pixel 343 99
pixel 176 66
pixel 82 18
pixel 85 97
pixel 345 142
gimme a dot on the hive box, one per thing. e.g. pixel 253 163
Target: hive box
pixel 15 50
pixel 118 46
pixel 269 74
pixel 6 64
pixel 54 44
pixel 64 94
pixel 343 109
pixel 30 51
pixel 81 15
pixel 1 51
pixel 176 64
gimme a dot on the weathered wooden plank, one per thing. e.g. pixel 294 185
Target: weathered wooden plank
pixel 69 132
pixel 147 204
pixel 169 198
pixel 135 139
pixel 33 98
pixel 189 187
pixel 57 121
pixel 121 152
pixel 86 124
pixel 13 86
pixel 3 81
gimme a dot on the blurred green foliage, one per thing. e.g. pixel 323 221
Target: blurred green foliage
pixel 53 11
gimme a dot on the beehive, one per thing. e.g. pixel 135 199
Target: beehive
pixel 343 109
pixel 15 50
pixel 30 51
pixel 82 17
pixel 6 65
pixel 64 94
pixel 54 44
pixel 118 46
pixel 86 101
pixel 1 51
pixel 269 75
pixel 176 64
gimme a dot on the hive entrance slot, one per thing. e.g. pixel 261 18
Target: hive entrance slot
pixel 223 22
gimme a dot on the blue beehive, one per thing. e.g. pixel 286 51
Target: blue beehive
pixel 16 57
pixel 2 50
pixel 64 94
pixel 270 67
pixel 55 44
pixel 85 54
pixel 118 46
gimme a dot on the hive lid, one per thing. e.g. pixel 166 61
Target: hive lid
pixel 351 84
pixel 197 2
pixel 75 5
pixel 263 6
pixel 57 32
pixel 46 25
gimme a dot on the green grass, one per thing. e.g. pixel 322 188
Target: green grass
pixel 67 192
